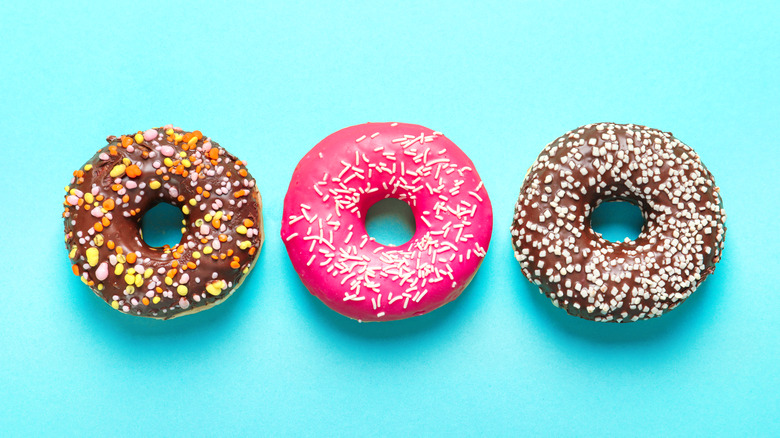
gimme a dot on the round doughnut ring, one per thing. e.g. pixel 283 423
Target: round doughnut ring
pixel 595 279
pixel 223 225
pixel 331 191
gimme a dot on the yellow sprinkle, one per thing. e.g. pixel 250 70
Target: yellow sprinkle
pixel 118 170
pixel 129 278
pixel 241 229
pixel 156 300
pixel 98 239
pixel 154 184
pixel 168 280
pixel 129 289
pixel 67 189
pixel 139 280
pixel 127 161
pixel 208 217
pixel 196 255
pixel 72 191
pixel 92 256
pixel 115 305
pixel 183 230
pixel 84 280
pixel 139 138
pixel 169 131
pixel 182 290
pixel 185 210
pixel 246 270
pixel 207 250
pixel 199 222
pixel 212 289
pixel 88 198
pixel 168 162
pixel 119 268
pixel 148 272
pixel 245 244
pixel 73 252
pixel 88 167
pixel 218 216
pixel 131 271
pixel 178 137
pixel 192 141
pixel 193 202
pixel 182 153
pixel 100 286
pixel 186 162
pixel 121 257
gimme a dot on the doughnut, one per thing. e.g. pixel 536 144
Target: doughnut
pixel 110 193
pixel 324 213
pixel 595 279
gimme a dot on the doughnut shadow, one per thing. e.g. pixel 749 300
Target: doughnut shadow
pixel 205 328
pixel 680 324
pixel 430 324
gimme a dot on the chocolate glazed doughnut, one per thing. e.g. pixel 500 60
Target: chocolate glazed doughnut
pixel 223 225
pixel 595 279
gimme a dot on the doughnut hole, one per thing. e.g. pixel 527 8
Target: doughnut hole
pixel 391 222
pixel 162 226
pixel 617 220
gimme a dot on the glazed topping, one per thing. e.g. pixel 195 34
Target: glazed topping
pixel 618 281
pixel 109 195
pixel 334 187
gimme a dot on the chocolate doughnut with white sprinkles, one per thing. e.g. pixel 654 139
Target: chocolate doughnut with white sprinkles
pixel 222 233
pixel 590 277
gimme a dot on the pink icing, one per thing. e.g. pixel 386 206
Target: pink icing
pixel 333 187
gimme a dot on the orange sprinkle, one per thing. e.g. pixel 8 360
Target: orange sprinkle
pixel 158 289
pixel 222 238
pixel 108 204
pixel 242 172
pixel 76 269
pixel 176 255
pixel 171 273
pixel 199 189
pixel 198 134
pixel 213 153
pixel 180 198
pixel 131 257
pixel 110 244
pixel 98 227
pixel 215 223
pixel 239 193
pixel 119 250
pixel 206 194
pixel 105 221
pixel 248 223
pixel 214 256
pixel 234 264
pixel 191 265
pixel 252 250
pixel 99 198
pixel 116 187
pixel 126 141
pixel 133 171
pixel 112 150
pixel 126 199
pixel 230 252
pixel 174 264
pixel 145 301
pixel 229 174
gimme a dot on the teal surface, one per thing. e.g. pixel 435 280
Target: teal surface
pixel 268 81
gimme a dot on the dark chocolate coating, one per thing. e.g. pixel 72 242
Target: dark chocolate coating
pixel 223 222
pixel 596 279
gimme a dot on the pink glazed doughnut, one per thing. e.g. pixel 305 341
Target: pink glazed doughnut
pixel 324 229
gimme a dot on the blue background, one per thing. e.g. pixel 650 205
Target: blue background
pixel 270 80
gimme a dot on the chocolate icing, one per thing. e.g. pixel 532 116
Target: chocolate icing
pixel 593 278
pixel 223 222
